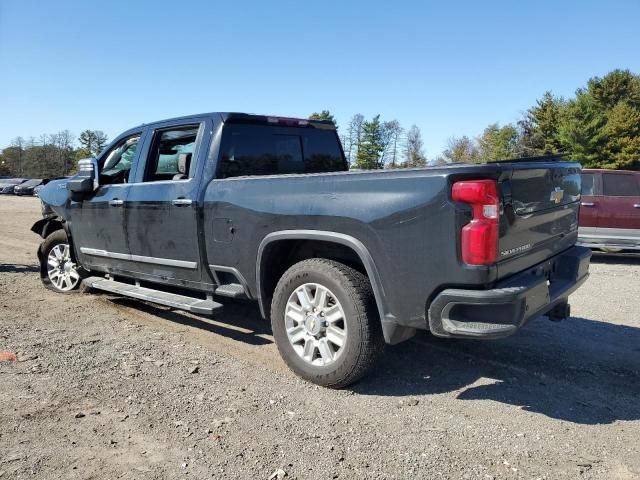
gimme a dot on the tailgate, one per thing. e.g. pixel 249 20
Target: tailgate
pixel 540 213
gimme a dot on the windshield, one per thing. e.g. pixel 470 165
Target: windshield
pixel 31 183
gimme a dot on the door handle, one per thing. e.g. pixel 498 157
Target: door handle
pixel 636 205
pixel 587 204
pixel 116 202
pixel 182 202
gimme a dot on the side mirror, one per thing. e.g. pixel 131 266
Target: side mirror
pixel 86 181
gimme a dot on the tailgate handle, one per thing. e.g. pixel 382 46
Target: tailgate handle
pixel 588 204
pixel 116 202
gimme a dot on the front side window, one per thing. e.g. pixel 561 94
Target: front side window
pixel 117 162
pixel 587 184
pixel 620 185
pixel 171 154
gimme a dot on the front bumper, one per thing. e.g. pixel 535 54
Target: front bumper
pixel 501 311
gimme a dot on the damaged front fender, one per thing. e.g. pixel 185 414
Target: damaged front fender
pixel 45 226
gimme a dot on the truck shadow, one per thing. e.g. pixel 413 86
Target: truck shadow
pixel 239 321
pixel 616 258
pixel 582 371
pixel 18 268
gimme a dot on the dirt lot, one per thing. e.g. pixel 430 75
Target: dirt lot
pixel 106 387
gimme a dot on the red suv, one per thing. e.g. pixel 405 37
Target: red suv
pixel 610 210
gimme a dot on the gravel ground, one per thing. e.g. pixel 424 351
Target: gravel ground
pixel 105 387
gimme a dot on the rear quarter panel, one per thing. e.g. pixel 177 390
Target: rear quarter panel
pixel 404 218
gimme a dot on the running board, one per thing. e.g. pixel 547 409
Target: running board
pixel 182 302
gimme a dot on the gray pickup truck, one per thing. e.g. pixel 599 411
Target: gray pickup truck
pixel 188 211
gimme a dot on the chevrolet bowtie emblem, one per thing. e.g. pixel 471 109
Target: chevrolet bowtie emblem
pixel 556 195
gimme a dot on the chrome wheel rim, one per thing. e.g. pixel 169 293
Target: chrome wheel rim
pixel 316 324
pixel 61 270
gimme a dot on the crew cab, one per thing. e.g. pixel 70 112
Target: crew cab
pixel 610 210
pixel 190 211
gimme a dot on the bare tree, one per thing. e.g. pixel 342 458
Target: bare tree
pixel 413 151
pixel 353 138
pixel 65 141
pixel 392 133
pixel 20 144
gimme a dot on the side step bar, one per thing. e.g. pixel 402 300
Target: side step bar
pixel 195 305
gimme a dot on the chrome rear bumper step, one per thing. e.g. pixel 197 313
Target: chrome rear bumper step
pixel 182 302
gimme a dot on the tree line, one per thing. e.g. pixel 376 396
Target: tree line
pixel 599 126
pixel 50 155
pixel 372 144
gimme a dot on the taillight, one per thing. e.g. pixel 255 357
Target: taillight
pixel 479 238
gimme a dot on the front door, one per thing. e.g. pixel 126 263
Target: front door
pixel 589 204
pixel 98 223
pixel 162 207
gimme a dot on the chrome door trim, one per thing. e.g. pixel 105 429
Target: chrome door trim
pixel 140 258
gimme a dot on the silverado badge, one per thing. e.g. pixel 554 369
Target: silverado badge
pixel 556 195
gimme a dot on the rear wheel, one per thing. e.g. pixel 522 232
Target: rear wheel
pixel 325 322
pixel 58 270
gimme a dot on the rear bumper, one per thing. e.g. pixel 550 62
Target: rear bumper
pixel 609 238
pixel 501 311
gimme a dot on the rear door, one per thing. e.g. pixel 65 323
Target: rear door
pixel 161 209
pixel 619 209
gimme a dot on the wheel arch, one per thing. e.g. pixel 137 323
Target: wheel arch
pixel 46 226
pixel 268 250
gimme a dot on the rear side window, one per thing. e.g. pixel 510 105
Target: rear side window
pixel 620 185
pixel 171 154
pixel 587 184
pixel 267 150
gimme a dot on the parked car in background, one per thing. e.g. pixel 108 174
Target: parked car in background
pixel 7 185
pixel 610 210
pixel 27 187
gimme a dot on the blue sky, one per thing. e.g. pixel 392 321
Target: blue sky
pixel 449 67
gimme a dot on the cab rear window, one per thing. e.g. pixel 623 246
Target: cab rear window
pixel 271 150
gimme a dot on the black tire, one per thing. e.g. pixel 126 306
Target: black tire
pixel 59 237
pixel 364 341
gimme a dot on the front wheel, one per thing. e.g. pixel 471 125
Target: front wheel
pixel 325 322
pixel 58 270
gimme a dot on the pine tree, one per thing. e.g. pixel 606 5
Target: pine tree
pixel 541 125
pixel 323 115
pixel 371 146
pixel 600 128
